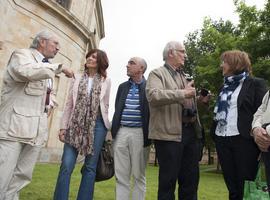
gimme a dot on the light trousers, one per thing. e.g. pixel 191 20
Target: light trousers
pixel 130 160
pixel 17 162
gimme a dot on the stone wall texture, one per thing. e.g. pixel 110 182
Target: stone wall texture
pixel 80 27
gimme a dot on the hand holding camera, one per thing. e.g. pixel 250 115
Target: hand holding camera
pixel 204 96
pixel 190 91
pixel 204 92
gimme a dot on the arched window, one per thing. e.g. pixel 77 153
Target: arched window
pixel 64 3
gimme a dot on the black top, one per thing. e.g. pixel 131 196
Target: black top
pixel 249 99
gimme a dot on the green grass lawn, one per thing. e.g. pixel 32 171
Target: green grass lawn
pixel 211 186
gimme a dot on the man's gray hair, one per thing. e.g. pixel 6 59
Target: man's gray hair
pixel 45 34
pixel 170 46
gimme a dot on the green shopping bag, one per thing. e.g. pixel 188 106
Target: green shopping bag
pixel 256 190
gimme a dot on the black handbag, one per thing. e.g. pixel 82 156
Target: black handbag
pixel 105 166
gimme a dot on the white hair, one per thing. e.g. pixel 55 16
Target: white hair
pixel 170 46
pixel 45 34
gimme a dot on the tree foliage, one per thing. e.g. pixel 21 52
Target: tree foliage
pixel 205 46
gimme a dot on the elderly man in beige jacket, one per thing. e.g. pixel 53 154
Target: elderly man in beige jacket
pixel 1 45
pixel 24 111
pixel 173 118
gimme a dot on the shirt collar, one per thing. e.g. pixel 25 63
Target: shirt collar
pixel 38 55
pixel 172 70
pixel 133 83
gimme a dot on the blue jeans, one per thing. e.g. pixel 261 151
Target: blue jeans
pixel 88 170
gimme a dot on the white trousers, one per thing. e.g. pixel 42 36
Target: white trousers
pixel 17 161
pixel 130 159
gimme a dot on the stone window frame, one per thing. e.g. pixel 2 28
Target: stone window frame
pixel 64 3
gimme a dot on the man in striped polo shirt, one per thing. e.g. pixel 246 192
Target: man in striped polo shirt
pixel 130 131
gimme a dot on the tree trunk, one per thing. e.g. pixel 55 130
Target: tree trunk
pixel 210 158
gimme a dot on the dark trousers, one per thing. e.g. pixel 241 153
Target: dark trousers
pixel 266 160
pixel 178 161
pixel 238 158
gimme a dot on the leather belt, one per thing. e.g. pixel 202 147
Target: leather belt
pixel 130 126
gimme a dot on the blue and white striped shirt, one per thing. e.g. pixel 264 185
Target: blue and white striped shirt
pixel 131 115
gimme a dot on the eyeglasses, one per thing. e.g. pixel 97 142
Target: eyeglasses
pixel 180 50
pixel 53 41
pixel 131 62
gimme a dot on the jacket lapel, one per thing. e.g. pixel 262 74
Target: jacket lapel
pixel 35 55
pixel 244 90
pixel 103 88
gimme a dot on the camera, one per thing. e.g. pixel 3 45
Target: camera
pixel 189 112
pixel 204 92
pixel 265 125
pixel 188 77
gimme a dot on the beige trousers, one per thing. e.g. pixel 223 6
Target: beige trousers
pixel 130 159
pixel 17 161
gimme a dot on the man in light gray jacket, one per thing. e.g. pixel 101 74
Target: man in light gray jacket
pixel 25 103
pixel 261 132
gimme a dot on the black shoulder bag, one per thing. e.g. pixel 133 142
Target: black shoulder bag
pixel 105 166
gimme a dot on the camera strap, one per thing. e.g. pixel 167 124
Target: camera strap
pixel 174 73
pixel 171 72
pixel 268 97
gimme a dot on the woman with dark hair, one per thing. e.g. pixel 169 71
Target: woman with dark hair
pixel 239 98
pixel 84 125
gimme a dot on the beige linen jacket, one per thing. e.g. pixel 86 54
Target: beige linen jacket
pixel 24 88
pixel 165 105
pixel 262 115
pixel 72 97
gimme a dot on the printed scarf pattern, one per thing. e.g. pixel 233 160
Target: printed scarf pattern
pixel 224 98
pixel 80 133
